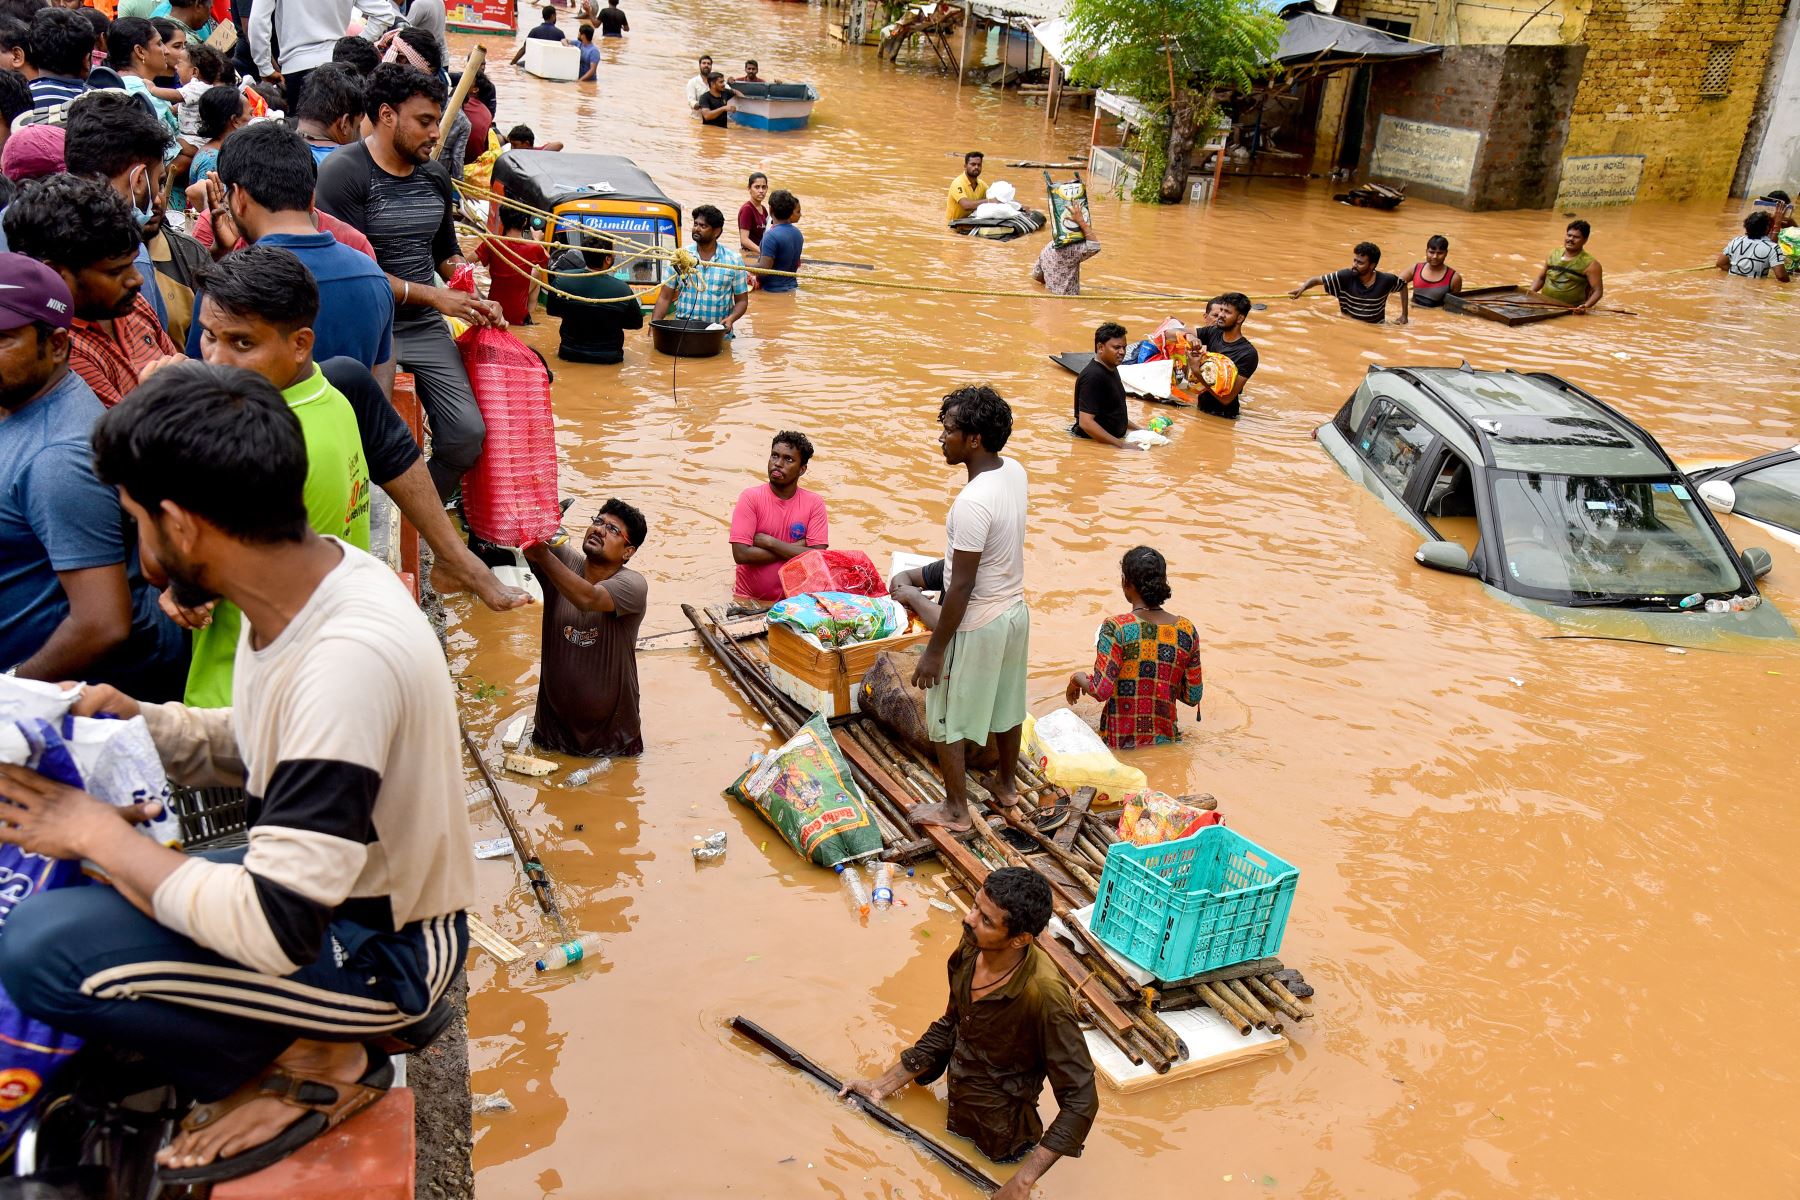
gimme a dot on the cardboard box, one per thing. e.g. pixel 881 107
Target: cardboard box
pixel 827 680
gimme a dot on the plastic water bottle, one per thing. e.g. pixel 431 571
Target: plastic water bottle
pixel 569 953
pixel 577 778
pixel 1693 601
pixel 852 881
pixel 883 892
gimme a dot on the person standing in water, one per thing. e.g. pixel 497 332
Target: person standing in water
pixel 1010 1026
pixel 967 190
pixel 1434 278
pixel 1571 275
pixel 1146 661
pixel 753 217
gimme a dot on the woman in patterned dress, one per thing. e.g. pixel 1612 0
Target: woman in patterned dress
pixel 1146 661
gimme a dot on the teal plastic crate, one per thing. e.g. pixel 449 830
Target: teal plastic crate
pixel 1202 902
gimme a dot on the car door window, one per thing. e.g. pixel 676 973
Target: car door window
pixel 1771 494
pixel 1395 446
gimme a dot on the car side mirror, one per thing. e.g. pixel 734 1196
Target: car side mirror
pixel 1757 561
pixel 1445 556
pixel 1720 496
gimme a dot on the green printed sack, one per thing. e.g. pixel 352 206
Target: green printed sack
pixel 804 789
pixel 1064 197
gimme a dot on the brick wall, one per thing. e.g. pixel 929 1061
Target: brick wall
pixel 1516 97
pixel 1640 89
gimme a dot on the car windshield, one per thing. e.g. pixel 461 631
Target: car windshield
pixel 1604 540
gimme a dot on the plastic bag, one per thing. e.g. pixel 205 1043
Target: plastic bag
pixel 887 695
pixel 1151 817
pixel 804 789
pixel 839 619
pixel 831 571
pixel 1789 242
pixel 509 495
pixel 1065 198
pixel 1071 755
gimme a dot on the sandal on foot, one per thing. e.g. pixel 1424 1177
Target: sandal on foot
pixel 324 1104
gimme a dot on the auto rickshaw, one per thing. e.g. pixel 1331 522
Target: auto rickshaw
pixel 602 192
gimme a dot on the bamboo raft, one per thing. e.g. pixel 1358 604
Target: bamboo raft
pixel 896 777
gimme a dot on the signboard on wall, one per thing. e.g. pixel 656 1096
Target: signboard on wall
pixel 1441 156
pixel 1599 179
pixel 480 16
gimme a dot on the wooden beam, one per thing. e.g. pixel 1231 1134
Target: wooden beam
pixel 962 60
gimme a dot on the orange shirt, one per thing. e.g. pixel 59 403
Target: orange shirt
pixel 110 362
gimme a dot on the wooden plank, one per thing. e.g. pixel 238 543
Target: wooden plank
pixel 1078 807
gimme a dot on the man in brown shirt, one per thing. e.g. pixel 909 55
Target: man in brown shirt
pixel 593 604
pixel 1010 1025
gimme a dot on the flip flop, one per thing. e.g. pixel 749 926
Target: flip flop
pixel 326 1104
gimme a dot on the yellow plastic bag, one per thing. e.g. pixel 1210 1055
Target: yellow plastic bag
pixel 1071 755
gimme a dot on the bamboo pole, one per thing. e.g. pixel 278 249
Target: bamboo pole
pixel 1222 995
pixel 1211 999
pixel 1121 1040
pixel 1270 1000
pixel 473 68
pixel 1286 997
pixel 1263 1016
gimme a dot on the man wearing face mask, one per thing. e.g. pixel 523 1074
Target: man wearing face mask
pixel 113 138
pixel 84 231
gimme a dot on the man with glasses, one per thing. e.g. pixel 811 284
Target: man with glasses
pixel 587 701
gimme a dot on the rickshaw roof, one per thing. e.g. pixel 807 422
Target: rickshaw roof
pixel 548 178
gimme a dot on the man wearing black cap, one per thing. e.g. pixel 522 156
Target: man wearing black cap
pixel 76 605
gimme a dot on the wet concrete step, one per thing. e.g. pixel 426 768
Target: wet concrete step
pixel 368 1157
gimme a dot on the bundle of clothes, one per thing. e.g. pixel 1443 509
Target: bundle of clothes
pixel 1000 216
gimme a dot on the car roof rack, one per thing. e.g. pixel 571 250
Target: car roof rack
pixel 1603 406
pixel 1456 414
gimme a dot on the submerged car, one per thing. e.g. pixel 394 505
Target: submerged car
pixel 1551 498
pixel 1764 491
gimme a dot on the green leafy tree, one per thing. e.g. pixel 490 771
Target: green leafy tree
pixel 1173 55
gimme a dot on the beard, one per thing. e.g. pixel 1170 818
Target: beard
pixel 185 587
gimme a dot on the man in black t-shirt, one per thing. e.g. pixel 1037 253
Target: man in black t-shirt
pixel 1100 411
pixel 546 32
pixel 717 103
pixel 612 20
pixel 389 187
pixel 1362 292
pixel 1222 333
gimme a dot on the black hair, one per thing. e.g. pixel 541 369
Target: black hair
pixel 393 84
pixel 190 4
pixel 1106 332
pixel 751 62
pixel 71 222
pixel 219 107
pixel 1147 573
pixel 60 44
pixel 209 65
pixel 783 204
pixel 754 176
pixel 981 411
pixel 126 35
pixel 7 190
pixel 550 13
pixel 972 154
pixel 425 45
pixel 22 10
pixel 1757 224
pixel 357 53
pixel 15 95
pixel 521 133
pixel 1023 895
pixel 110 132
pixel 633 520
pixel 217 441
pixel 274 99
pixel 267 282
pixel 172 30
pixel 1438 241
pixel 98 22
pixel 1368 250
pixel 715 77
pixel 710 215
pixel 596 248
pixel 798 442
pixel 513 218
pixel 14 34
pixel 1780 195
pixel 332 92
pixel 704 58
pixel 1235 300
pixel 272 164
pixel 586 31
pixel 1581 226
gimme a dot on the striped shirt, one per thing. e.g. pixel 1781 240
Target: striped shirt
pixel 710 297
pixel 406 217
pixel 343 732
pixel 110 362
pixel 1360 302
pixel 47 91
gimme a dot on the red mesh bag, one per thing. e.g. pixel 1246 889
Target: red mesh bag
pixel 509 496
pixel 831 571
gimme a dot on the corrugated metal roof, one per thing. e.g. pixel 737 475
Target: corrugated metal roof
pixel 1031 10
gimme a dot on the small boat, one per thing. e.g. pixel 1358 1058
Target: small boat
pixel 1508 305
pixel 774 106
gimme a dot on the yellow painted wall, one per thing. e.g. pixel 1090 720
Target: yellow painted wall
pixel 1640 89
pixel 1478 22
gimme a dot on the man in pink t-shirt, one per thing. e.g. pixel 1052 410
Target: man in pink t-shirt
pixel 776 521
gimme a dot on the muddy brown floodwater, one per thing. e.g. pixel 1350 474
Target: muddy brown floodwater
pixel 1546 887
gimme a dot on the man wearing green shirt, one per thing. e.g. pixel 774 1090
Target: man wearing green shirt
pixel 257 309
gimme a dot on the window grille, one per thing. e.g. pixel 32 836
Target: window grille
pixel 1715 79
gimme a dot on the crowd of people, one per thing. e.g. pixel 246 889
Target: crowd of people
pixel 213 267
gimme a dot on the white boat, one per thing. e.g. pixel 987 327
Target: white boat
pixel 775 106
